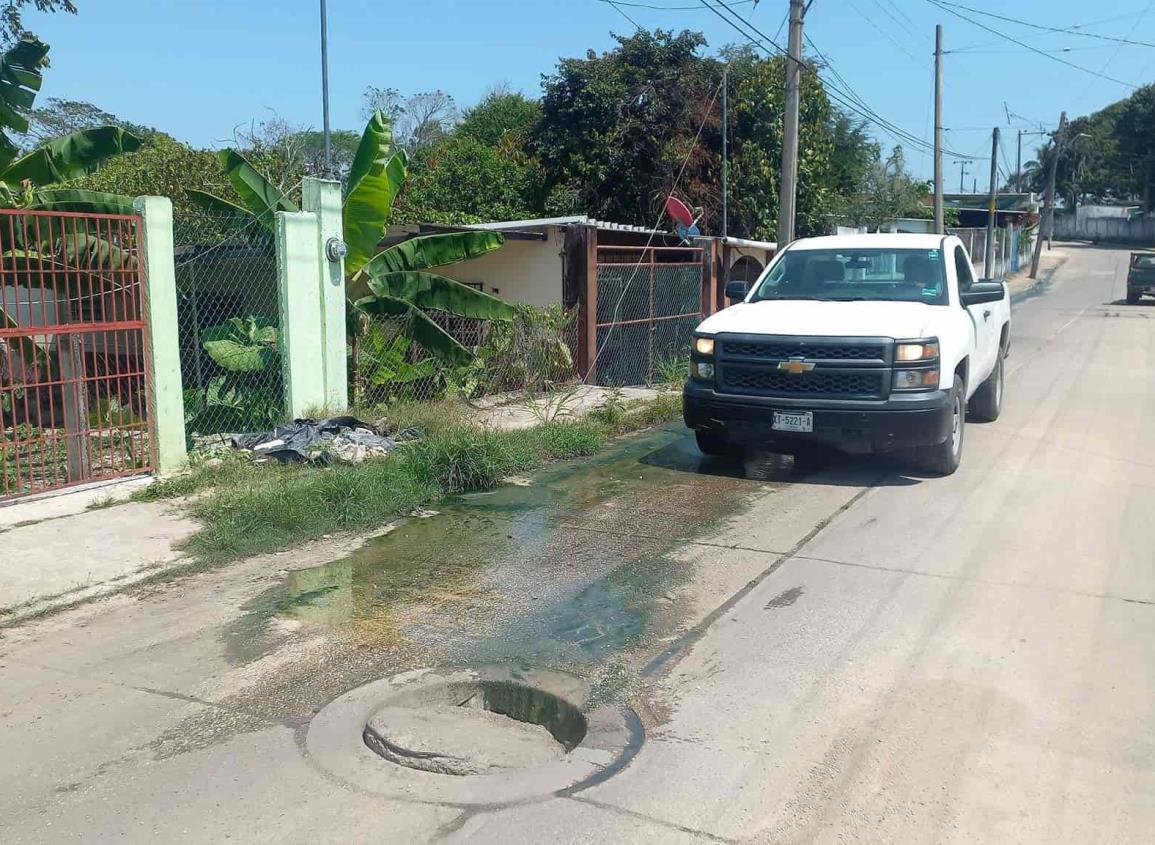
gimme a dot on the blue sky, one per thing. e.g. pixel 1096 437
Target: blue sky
pixel 199 68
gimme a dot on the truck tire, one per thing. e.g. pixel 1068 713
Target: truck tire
pixel 716 445
pixel 943 458
pixel 1133 297
pixel 987 402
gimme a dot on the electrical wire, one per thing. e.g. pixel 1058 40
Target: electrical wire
pixel 669 8
pixel 939 4
pixel 844 98
pixel 1045 28
pixel 901 47
pixel 653 231
pixel 621 12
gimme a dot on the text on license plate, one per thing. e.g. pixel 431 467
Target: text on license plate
pixel 801 421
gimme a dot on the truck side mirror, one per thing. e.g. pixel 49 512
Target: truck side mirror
pixel 983 292
pixel 736 291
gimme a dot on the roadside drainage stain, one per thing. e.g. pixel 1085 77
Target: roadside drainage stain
pixel 784 599
pixel 577 571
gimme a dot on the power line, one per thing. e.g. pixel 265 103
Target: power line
pixel 844 98
pixel 890 15
pixel 669 8
pixel 946 8
pixel 902 47
pixel 1114 55
pixel 1068 30
pixel 622 12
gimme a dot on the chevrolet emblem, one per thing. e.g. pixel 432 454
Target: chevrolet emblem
pixel 796 366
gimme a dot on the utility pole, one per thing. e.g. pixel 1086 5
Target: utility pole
pixel 992 205
pixel 325 89
pixel 962 173
pixel 1019 166
pixel 725 149
pixel 789 185
pixel 939 224
pixel 1049 197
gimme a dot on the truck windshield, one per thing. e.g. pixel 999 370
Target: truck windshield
pixel 841 275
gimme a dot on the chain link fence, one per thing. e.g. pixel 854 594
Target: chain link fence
pixel 648 305
pixel 227 312
pixel 1012 248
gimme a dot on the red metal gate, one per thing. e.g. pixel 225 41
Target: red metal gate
pixel 74 394
pixel 647 303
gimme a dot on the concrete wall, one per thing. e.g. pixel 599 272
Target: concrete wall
pixel 1114 230
pixel 521 271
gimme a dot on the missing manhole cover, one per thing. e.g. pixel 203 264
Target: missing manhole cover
pixel 476 728
pixel 487 736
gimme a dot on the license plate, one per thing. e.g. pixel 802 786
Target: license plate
pixel 802 421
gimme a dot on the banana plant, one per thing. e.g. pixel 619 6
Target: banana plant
pixel 42 247
pixel 396 282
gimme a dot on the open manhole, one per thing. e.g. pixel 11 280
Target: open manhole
pixel 485 736
pixel 477 728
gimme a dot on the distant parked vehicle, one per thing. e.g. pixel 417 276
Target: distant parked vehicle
pixel 1141 276
pixel 867 343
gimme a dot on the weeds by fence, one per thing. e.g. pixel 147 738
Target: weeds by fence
pixel 531 354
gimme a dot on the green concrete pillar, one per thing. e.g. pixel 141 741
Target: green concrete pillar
pixel 323 198
pixel 302 354
pixel 161 314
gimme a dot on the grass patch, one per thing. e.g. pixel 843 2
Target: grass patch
pixel 248 508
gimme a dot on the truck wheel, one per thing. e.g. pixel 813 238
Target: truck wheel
pixel 943 459
pixel 987 402
pixel 715 444
pixel 1133 297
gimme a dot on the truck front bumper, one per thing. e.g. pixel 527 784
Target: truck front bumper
pixel 903 421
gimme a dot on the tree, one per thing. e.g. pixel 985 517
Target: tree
pixel 61 117
pixel 12 19
pixel 163 166
pixel 888 191
pixel 394 282
pixel 464 180
pixel 418 121
pixel 30 180
pixel 616 127
pixel 502 119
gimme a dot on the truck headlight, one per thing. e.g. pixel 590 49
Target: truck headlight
pixel 915 379
pixel 702 370
pixel 704 345
pixel 921 351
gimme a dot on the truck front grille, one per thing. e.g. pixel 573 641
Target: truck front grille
pixel 781 350
pixel 842 368
pixel 858 384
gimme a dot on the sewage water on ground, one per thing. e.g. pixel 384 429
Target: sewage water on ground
pixel 577 571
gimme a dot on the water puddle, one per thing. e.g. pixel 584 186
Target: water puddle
pixel 569 569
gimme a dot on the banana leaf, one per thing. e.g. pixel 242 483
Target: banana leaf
pixel 428 251
pixel 242 344
pixel 418 327
pixel 260 196
pixel 87 202
pixel 70 156
pixel 375 178
pixel 211 202
pixel 428 290
pixel 20 79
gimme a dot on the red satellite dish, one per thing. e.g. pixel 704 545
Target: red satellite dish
pixel 679 211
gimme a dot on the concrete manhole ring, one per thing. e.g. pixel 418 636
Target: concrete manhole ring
pixel 471 736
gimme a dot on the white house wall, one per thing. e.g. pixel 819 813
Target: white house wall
pixel 520 271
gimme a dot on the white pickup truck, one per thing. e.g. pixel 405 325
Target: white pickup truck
pixel 867 343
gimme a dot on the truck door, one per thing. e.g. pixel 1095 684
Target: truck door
pixel 981 317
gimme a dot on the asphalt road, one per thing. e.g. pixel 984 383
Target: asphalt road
pixel 873 656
